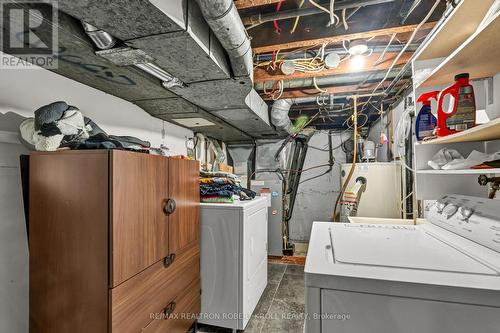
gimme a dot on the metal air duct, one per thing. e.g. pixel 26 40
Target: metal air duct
pixel 222 16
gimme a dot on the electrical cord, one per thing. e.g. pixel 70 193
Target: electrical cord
pixel 410 40
pixel 353 165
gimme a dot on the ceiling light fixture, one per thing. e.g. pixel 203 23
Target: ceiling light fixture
pixel 357 47
pixel 357 62
pixel 168 80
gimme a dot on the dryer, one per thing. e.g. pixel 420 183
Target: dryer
pixel 439 277
pixel 233 261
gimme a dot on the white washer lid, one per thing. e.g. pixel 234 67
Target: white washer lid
pixel 401 247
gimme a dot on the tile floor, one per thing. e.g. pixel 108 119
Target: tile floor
pixel 282 306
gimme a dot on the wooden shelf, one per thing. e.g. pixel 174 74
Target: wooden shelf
pixel 479 56
pixel 461 172
pixel 485 132
pixel 461 24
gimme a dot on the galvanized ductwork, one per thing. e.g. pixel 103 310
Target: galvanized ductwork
pixel 222 16
pixel 101 38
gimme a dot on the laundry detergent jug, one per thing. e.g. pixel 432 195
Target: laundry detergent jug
pixel 426 122
pixel 461 112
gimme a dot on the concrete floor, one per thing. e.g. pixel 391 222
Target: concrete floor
pixel 282 306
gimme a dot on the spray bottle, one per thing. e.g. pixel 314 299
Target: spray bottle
pixel 426 122
pixel 461 113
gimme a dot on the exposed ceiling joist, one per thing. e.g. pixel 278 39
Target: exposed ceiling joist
pixel 244 4
pixel 336 90
pixel 262 75
pixel 340 38
pixel 293 13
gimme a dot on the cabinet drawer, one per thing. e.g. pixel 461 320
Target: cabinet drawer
pixel 136 302
pixel 187 308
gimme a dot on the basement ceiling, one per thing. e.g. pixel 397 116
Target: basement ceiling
pixel 384 26
pixel 215 102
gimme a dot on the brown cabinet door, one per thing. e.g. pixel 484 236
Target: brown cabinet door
pixel 68 242
pixel 139 191
pixel 184 189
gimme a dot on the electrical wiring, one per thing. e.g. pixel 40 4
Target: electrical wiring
pixel 344 20
pixel 353 165
pixel 318 88
pixel 296 22
pixel 382 55
pixel 275 22
pixel 410 40
pixel 280 91
pixel 326 10
pixel 333 18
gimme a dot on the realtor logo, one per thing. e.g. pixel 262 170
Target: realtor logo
pixel 29 34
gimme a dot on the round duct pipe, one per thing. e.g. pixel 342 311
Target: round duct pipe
pixel 101 38
pixel 222 16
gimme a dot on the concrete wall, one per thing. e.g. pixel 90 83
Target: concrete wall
pixel 316 198
pixel 21 92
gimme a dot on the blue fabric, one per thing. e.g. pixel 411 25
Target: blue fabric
pixel 223 190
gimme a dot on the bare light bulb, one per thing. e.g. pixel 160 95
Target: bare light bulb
pixel 357 62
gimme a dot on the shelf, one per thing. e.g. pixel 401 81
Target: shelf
pixel 485 132
pixel 460 172
pixel 479 56
pixel 461 24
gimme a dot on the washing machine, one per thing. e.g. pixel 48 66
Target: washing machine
pixel 442 276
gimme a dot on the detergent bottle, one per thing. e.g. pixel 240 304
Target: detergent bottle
pixel 461 112
pixel 426 122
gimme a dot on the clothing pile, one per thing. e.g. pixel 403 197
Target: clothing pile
pixel 59 125
pixel 222 187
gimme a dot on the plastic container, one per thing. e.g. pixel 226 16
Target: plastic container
pixel 461 112
pixel 426 122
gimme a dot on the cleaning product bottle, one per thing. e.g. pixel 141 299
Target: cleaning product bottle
pixel 461 113
pixel 426 122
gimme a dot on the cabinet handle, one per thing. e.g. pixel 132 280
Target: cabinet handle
pixel 169 309
pixel 169 206
pixel 168 260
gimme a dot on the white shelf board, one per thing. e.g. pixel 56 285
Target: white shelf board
pixel 460 172
pixel 485 132
pixel 479 56
pixel 460 25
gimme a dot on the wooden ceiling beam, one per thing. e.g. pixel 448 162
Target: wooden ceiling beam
pixel 262 75
pixel 339 90
pixel 244 4
pixel 338 39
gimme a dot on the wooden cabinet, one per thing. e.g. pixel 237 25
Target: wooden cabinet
pixel 114 242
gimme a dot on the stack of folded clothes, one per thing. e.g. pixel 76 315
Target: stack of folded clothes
pixel 222 187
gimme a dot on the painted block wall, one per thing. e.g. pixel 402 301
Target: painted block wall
pixel 316 198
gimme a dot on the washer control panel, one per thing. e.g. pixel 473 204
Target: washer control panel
pixel 474 218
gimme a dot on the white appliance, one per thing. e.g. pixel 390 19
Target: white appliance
pixel 437 277
pixel 382 195
pixel 233 261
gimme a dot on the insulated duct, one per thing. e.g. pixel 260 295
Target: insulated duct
pixel 279 115
pixel 222 16
pixel 281 107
